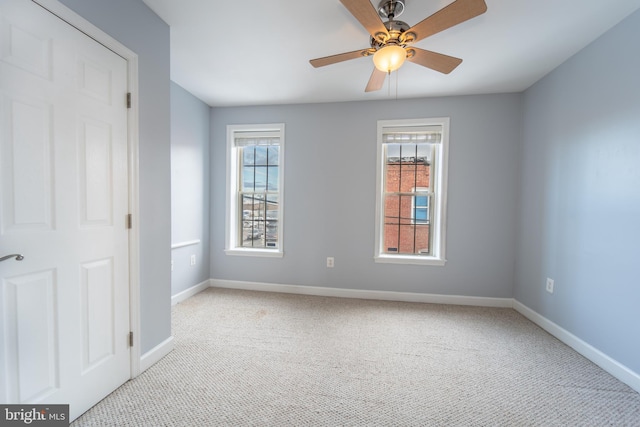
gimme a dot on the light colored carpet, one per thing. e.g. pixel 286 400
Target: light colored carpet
pixel 246 358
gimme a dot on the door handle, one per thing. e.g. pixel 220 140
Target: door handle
pixel 18 257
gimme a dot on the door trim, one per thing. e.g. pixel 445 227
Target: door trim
pixel 86 27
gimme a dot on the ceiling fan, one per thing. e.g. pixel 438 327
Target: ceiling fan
pixel 391 41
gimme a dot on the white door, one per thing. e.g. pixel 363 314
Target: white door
pixel 64 318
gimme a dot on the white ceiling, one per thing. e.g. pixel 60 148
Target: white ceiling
pixel 257 52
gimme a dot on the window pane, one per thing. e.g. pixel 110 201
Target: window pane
pixel 424 153
pixel 392 177
pixel 391 209
pixel 272 182
pixel 391 224
pixel 422 239
pixel 421 215
pixel 391 238
pixel 248 155
pixel 422 201
pixel 407 237
pixel 393 152
pixel 273 155
pixel 272 226
pixel 248 178
pixel 261 155
pixel 392 167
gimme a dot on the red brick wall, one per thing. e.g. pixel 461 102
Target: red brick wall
pixel 399 231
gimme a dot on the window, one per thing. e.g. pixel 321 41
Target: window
pixel 420 206
pixel 255 156
pixel 411 191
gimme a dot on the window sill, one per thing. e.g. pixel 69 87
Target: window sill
pixel 408 259
pixel 268 253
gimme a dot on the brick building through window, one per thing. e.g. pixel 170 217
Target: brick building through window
pixel 407 218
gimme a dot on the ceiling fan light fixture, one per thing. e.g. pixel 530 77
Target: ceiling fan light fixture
pixel 389 58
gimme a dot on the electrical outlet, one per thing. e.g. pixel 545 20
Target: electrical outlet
pixel 330 262
pixel 549 285
pixel 193 260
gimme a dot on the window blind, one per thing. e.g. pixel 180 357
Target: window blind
pixel 412 135
pixel 243 139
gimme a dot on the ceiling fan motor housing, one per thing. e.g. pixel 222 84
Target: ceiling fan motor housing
pixel 389 9
pixel 395 28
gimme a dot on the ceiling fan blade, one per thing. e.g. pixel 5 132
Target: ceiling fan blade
pixel 328 60
pixel 376 80
pixel 453 14
pixel 367 15
pixel 436 61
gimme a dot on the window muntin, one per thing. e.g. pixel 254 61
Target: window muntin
pixel 410 202
pixel 255 170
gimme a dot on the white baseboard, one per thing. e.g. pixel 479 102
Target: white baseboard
pixel 188 293
pixel 155 354
pixel 364 294
pixel 612 366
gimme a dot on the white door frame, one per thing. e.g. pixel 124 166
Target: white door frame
pixel 86 27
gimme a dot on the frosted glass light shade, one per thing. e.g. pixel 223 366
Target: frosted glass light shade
pixel 389 58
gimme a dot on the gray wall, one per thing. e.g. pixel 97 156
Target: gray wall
pixel 330 190
pixel 580 195
pixel 134 25
pixel 189 188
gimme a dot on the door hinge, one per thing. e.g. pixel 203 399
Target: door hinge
pixel 128 99
pixel 129 221
pixel 131 339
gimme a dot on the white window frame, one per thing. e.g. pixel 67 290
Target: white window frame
pixel 438 202
pixel 233 221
